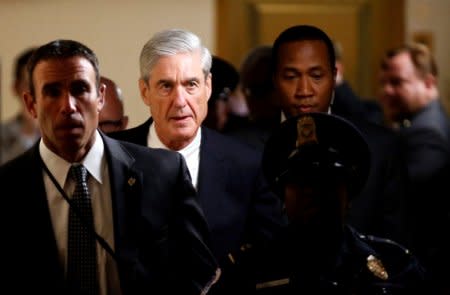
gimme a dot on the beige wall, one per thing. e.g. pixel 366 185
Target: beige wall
pixel 115 29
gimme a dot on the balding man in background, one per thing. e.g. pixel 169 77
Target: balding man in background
pixel 111 117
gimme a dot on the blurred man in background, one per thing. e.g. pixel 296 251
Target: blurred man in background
pixel 112 117
pixel 20 132
pixel 412 107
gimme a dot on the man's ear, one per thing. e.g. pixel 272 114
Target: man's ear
pixel 30 103
pixel 101 97
pixel 430 80
pixel 208 83
pixel 339 72
pixel 125 122
pixel 335 76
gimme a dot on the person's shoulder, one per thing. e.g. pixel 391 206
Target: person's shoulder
pixel 369 127
pixel 212 136
pixel 384 245
pixel 140 152
pixel 433 119
pixel 391 264
pixel 12 165
pixel 9 131
pixel 16 168
pixel 399 262
pixel 227 143
pixel 124 133
pixel 377 135
pixel 134 134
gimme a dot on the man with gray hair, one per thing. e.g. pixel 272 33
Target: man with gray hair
pixel 176 84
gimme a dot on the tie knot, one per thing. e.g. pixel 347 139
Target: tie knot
pixel 79 173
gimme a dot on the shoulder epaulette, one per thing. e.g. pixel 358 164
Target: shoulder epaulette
pixel 385 241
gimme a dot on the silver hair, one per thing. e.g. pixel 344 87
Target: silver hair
pixel 171 42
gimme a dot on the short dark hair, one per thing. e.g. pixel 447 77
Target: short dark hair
pixel 255 71
pixel 302 33
pixel 62 49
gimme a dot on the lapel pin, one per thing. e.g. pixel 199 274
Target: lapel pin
pixel 131 181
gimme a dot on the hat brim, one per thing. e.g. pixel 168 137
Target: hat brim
pixel 333 134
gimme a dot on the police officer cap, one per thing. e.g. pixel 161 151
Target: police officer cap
pixel 317 147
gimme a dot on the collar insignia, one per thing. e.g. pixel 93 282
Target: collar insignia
pixel 376 267
pixel 131 181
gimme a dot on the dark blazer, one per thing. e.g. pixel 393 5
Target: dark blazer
pixel 427 148
pixel 231 191
pixel 381 207
pixel 159 230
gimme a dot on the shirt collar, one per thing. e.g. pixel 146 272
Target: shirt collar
pixel 59 167
pixel 154 141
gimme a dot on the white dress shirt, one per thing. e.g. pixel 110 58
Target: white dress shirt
pixel 191 152
pixel 100 191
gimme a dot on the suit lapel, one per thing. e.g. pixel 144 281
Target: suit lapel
pixel 213 173
pixel 126 188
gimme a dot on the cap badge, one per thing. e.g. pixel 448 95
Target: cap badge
pixel 376 267
pixel 306 131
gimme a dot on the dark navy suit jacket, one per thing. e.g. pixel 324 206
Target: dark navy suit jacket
pixel 232 191
pixel 381 208
pixel 427 148
pixel 160 231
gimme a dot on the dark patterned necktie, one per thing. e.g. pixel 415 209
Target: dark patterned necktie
pixel 82 256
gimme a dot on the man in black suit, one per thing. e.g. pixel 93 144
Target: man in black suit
pixel 304 76
pixel 149 234
pixel 410 99
pixel 176 84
